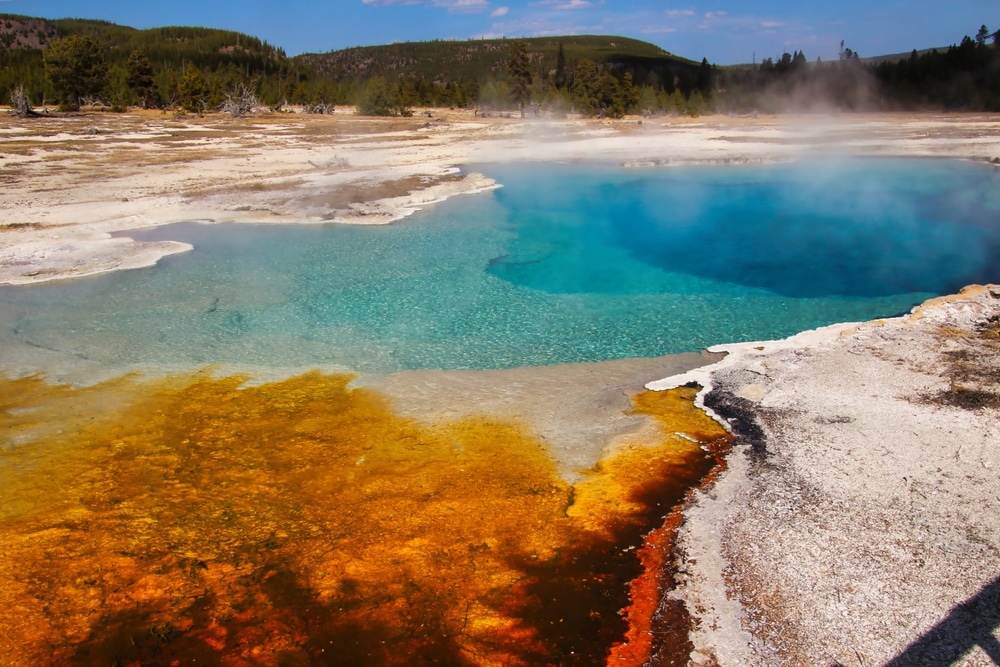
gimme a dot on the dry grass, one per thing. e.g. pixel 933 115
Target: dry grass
pixel 271 194
pixel 58 157
pixel 113 152
pixel 18 226
pixel 972 371
pixel 991 329
pixel 341 199
pixel 953 332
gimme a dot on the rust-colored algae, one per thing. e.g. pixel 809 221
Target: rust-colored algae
pixel 660 477
pixel 194 519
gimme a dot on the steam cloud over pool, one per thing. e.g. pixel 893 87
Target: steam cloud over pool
pixel 565 263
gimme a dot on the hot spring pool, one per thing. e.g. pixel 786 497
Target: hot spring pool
pixel 565 263
pixel 193 516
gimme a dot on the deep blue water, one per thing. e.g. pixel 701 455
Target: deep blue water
pixel 564 263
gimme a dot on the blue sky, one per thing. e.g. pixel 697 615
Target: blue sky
pixel 724 31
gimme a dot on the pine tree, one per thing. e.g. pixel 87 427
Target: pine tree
pixel 382 98
pixel 560 77
pixel 982 35
pixel 140 78
pixel 519 68
pixel 193 89
pixel 629 93
pixel 585 94
pixel 75 65
pixel 705 75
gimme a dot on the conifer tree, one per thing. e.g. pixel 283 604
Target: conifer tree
pixel 140 78
pixel 585 97
pixel 560 76
pixel 629 93
pixel 982 35
pixel 75 65
pixel 519 68
pixel 705 75
pixel 382 98
pixel 192 90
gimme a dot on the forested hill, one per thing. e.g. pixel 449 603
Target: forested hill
pixel 443 60
pixel 231 54
pixel 196 66
pixel 475 71
pixel 207 47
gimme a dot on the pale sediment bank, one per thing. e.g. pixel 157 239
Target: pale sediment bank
pixel 860 508
pixel 28 256
pixel 581 411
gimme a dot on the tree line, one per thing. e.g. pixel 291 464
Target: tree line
pixel 963 77
pixel 198 69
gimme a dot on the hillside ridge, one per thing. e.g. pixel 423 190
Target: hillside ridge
pixel 467 57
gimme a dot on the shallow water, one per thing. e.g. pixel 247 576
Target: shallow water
pixel 565 263
pixel 188 519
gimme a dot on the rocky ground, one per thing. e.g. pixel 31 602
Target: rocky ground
pixel 858 522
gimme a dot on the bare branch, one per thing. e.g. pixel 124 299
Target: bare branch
pixel 319 108
pixel 240 102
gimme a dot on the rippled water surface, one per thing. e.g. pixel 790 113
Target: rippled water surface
pixel 564 263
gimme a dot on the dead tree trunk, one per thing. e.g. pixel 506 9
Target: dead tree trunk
pixel 20 104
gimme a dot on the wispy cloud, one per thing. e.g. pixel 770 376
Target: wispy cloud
pixel 457 6
pixel 567 4
pixel 544 18
pixel 657 30
pixel 542 26
pixel 673 25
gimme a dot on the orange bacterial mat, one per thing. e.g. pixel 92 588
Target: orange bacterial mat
pixel 196 520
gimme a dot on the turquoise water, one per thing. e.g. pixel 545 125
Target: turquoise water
pixel 565 263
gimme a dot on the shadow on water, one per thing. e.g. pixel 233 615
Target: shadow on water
pixel 970 624
pixel 570 607
pixel 215 632
pixel 571 600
